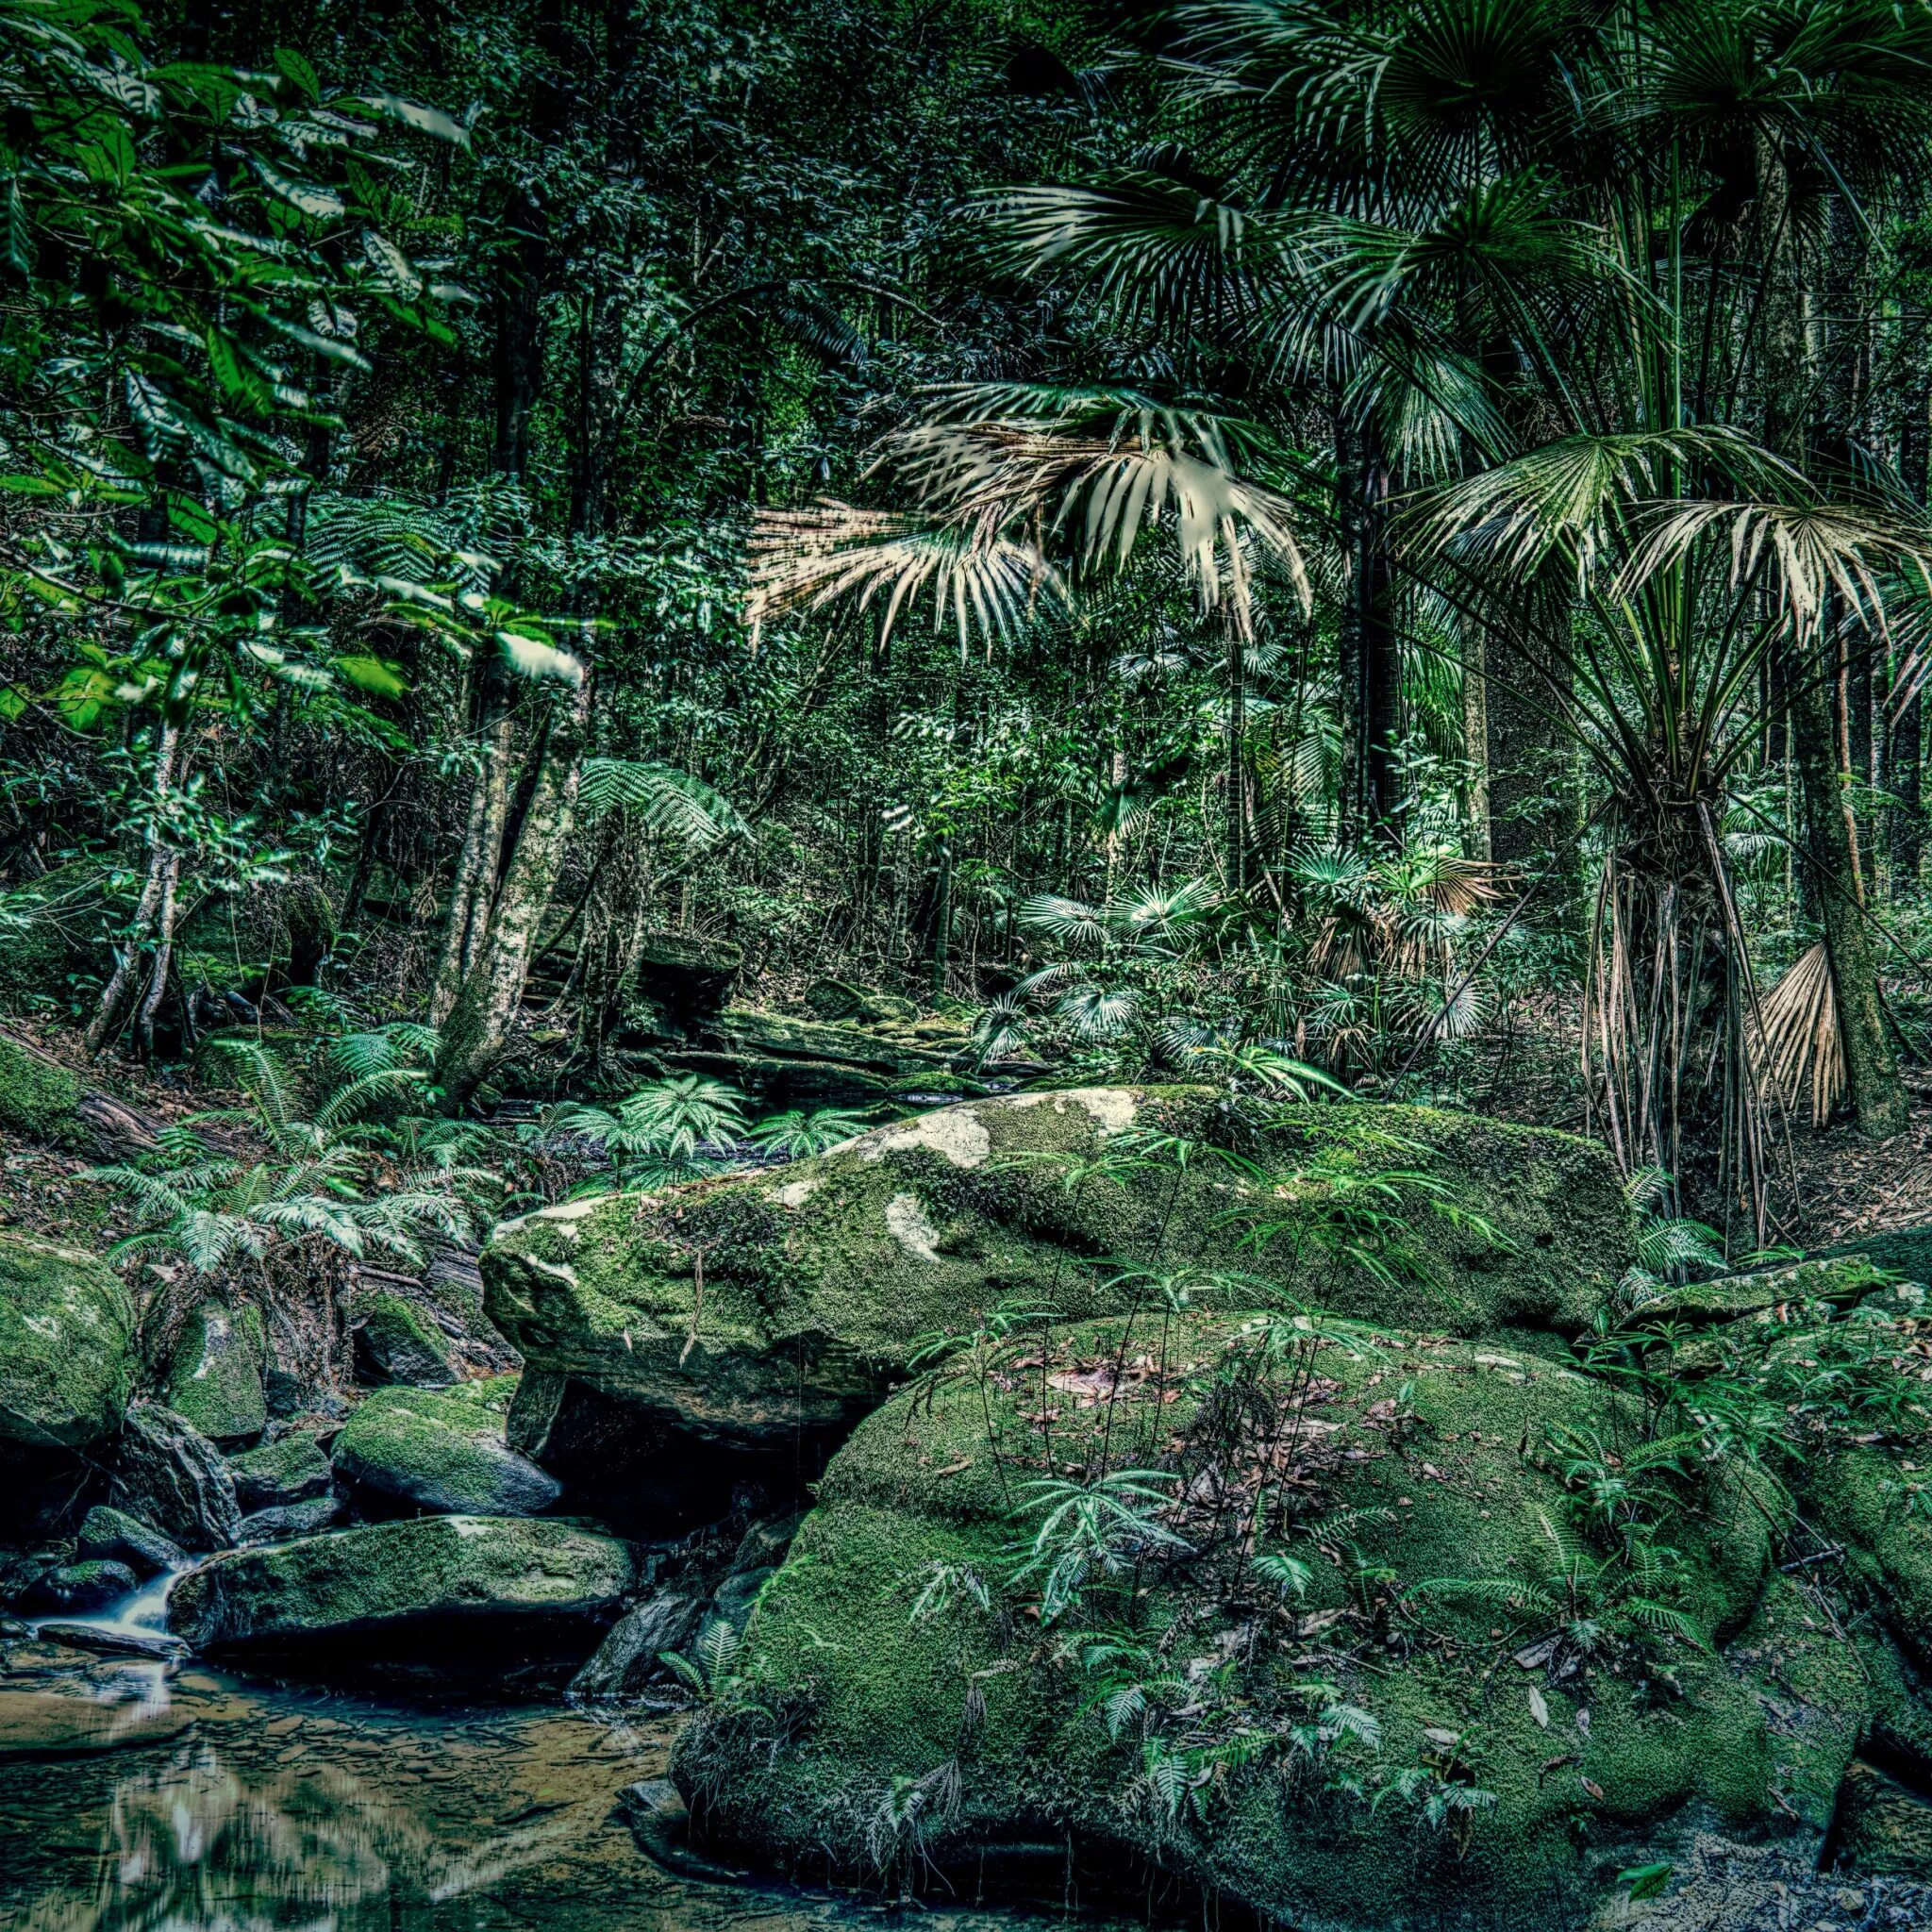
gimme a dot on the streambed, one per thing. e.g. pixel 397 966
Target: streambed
pixel 225 1806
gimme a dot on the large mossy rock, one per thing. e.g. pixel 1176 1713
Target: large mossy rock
pixel 214 1379
pixel 442 1452
pixel 1462 1709
pixel 66 1345
pixel 819 1281
pixel 432 1572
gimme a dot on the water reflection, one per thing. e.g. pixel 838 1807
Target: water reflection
pixel 281 1814
pixel 284 1812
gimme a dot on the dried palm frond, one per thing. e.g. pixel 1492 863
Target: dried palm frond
pixel 1801 1045
pixel 804 559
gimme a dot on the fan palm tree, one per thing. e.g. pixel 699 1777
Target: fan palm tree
pixel 1540 272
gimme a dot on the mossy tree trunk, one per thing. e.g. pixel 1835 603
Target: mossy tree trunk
pixel 478 1027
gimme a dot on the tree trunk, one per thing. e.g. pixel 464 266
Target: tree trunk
pixel 1535 803
pixel 1379 661
pixel 477 1028
pixel 1830 853
pixel 111 1010
pixel 1476 745
pixel 478 859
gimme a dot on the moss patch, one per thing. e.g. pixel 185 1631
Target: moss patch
pixel 1419 1482
pixel 819 1281
pixel 66 1345
pixel 37 1097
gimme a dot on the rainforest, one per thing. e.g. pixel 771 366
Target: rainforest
pixel 965 961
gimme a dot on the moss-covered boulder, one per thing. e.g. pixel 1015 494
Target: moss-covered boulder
pixel 39 1098
pixel 752 1310
pixel 398 1341
pixel 444 1452
pixel 66 1345
pixel 214 1379
pixel 294 1470
pixel 435 1571
pixel 1361 1657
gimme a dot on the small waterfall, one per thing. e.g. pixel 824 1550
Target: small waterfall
pixel 142 1612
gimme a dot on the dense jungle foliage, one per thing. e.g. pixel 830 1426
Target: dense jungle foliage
pixel 1389 538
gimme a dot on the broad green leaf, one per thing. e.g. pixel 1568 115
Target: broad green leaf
pixel 390 263
pixel 373 675
pixel 295 68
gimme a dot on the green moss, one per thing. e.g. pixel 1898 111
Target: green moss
pixel 439 1567
pixel 1432 1453
pixel 289 1471
pixel 820 1281
pixel 37 1097
pixel 399 1342
pixel 1730 1298
pixel 215 1380
pixel 444 1452
pixel 1858 1499
pixel 66 1345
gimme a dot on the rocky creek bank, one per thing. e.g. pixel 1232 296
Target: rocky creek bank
pixel 1318 1512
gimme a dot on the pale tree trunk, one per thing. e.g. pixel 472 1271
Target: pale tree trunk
pixel 478 859
pixel 1831 853
pixel 164 957
pixel 1476 745
pixel 478 1027
pixel 111 1011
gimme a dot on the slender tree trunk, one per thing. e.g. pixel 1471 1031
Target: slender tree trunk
pixel 164 957
pixel 1831 853
pixel 477 1028
pixel 111 1010
pixel 1379 663
pixel 1476 745
pixel 1907 829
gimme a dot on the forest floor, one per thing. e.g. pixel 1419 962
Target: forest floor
pixel 1847 1185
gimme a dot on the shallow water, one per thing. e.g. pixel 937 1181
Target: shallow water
pixel 222 1806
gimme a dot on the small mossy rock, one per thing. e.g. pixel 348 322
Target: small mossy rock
pixel 442 1452
pixel 66 1345
pixel 819 1281
pixel 90 1584
pixel 396 1341
pixel 215 1380
pixel 1731 1297
pixel 433 1569
pixel 1432 1457
pixel 113 1535
pixel 170 1475
pixel 294 1470
pixel 37 1097
pixel 285 1519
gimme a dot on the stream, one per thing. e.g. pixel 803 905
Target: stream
pixel 144 1796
